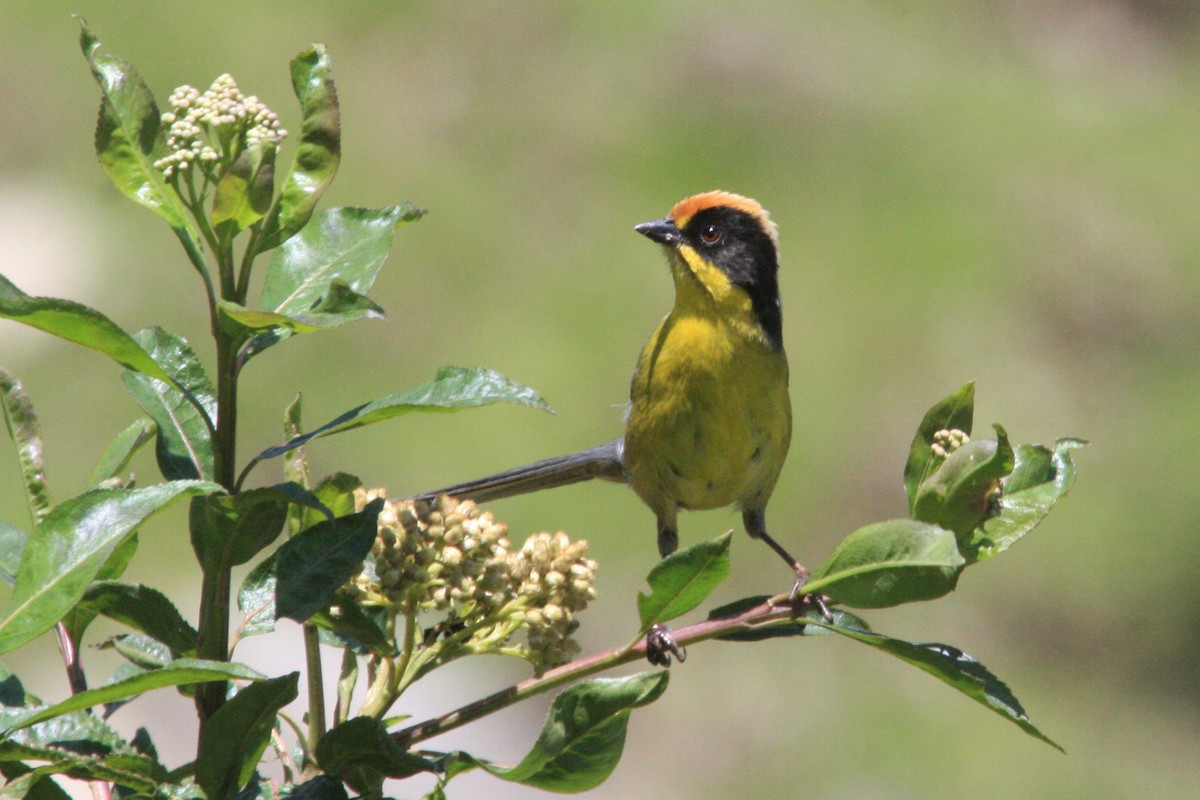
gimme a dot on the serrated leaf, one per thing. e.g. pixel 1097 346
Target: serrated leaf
pixel 955 668
pixel 76 323
pixel 956 412
pixel 71 546
pixel 180 672
pixel 584 734
pixel 1038 480
pixel 120 451
pixel 184 444
pixel 683 580
pixel 22 425
pixel 318 153
pixel 144 609
pixel 454 388
pixel 129 137
pixel 313 565
pixel 360 753
pixel 888 563
pixel 235 736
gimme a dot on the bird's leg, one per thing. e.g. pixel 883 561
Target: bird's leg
pixel 756 525
pixel 660 645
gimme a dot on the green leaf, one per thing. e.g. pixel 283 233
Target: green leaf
pixel 312 565
pixel 235 737
pixel 228 530
pixel 956 412
pixel 954 667
pixel 120 451
pixel 353 626
pixel 959 494
pixel 888 563
pixel 129 138
pixel 12 693
pixel 682 580
pixel 256 599
pixel 319 278
pixel 141 651
pixel 360 752
pixel 318 153
pixel 243 195
pixel 321 787
pixel 12 544
pixel 336 493
pixel 72 545
pixel 452 389
pixel 180 672
pixel 144 609
pixel 22 781
pixel 76 323
pixel 339 306
pixel 584 734
pixel 1038 480
pixel 22 426
pixel 184 445
pixel 796 626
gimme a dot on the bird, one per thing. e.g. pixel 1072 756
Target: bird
pixel 709 419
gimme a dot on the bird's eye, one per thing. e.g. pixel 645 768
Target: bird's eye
pixel 711 234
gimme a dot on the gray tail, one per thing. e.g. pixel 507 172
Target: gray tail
pixel 603 462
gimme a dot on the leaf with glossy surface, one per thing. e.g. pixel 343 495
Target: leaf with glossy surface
pixel 256 599
pixel 318 153
pixel 888 563
pixel 955 668
pixel 1038 480
pixel 360 752
pixel 184 443
pixel 243 195
pixel 180 672
pixel 313 565
pixel 320 277
pixel 72 545
pixel 76 323
pixel 121 450
pixel 144 609
pixel 682 580
pixel 454 388
pixel 584 734
pixel 12 544
pixel 228 530
pixel 235 736
pixel 129 137
pixel 956 412
pixel 959 494
pixel 22 425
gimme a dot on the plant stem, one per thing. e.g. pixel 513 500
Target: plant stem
pixel 774 611
pixel 316 694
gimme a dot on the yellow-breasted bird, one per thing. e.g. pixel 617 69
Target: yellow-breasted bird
pixel 709 418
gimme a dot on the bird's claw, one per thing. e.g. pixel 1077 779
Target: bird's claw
pixel 798 599
pixel 661 645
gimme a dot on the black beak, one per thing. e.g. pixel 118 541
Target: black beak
pixel 663 231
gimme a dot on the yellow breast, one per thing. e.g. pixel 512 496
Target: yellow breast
pixel 710 418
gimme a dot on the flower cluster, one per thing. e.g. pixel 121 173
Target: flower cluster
pixel 449 556
pixel 946 441
pixel 217 124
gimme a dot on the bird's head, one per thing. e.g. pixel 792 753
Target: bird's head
pixel 726 245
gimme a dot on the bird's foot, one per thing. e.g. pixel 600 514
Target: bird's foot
pixel 661 645
pixel 798 599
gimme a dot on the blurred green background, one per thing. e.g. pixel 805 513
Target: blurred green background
pixel 1001 191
